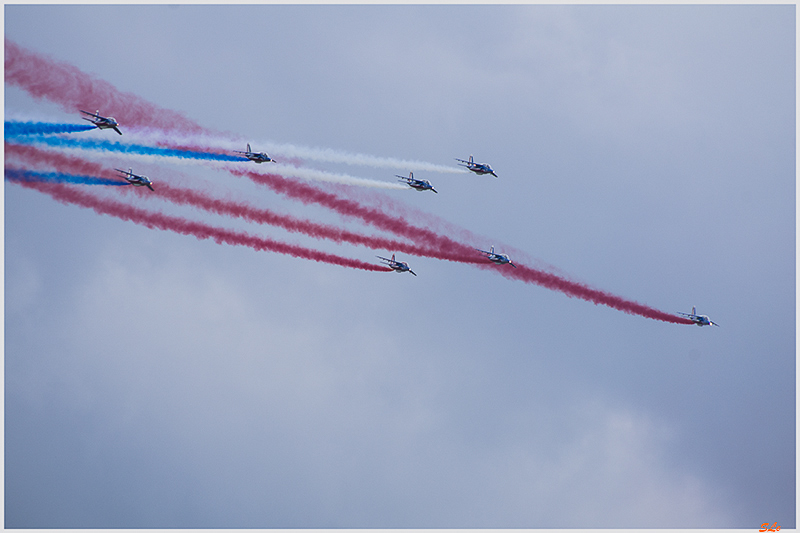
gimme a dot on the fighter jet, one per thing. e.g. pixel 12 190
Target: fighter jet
pixel 102 123
pixel 136 180
pixel 397 266
pixel 257 157
pixel 700 320
pixel 477 168
pixel 500 259
pixel 420 185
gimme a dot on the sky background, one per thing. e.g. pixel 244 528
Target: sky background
pixel 155 380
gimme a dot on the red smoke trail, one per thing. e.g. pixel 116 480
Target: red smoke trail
pixel 74 165
pixel 287 222
pixel 59 161
pixel 73 89
pixel 452 250
pixel 310 194
pixel 584 292
pixel 445 247
pixel 71 195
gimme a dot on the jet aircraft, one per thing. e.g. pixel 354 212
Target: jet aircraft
pixel 420 185
pixel 257 157
pixel 101 122
pixel 397 266
pixel 477 168
pixel 500 259
pixel 700 320
pixel 136 180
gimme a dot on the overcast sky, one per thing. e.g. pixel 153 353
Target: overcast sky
pixel 157 380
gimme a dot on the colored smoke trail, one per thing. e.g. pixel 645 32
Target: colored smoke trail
pixel 432 245
pixel 191 154
pixel 330 155
pixel 59 161
pixel 287 222
pixel 42 128
pixel 285 151
pixel 218 206
pixel 447 248
pixel 455 251
pixel 15 174
pixel 117 147
pixel 69 195
pixel 584 292
pixel 73 89
pixel 343 179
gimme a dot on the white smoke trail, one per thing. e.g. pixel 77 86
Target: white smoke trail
pixel 283 150
pixel 335 156
pixel 289 171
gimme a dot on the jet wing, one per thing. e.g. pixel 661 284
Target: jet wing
pixel 117 130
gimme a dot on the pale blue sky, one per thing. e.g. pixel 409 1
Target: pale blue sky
pixel 154 380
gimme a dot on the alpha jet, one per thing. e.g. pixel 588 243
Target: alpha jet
pixel 101 122
pixel 397 266
pixel 136 180
pixel 256 157
pixel 500 259
pixel 420 185
pixel 477 168
pixel 700 320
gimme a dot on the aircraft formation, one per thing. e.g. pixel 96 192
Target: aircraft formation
pixel 102 122
pixel 66 86
pixel 420 185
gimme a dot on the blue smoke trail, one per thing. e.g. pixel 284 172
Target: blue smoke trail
pixel 42 128
pixel 108 146
pixel 15 174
